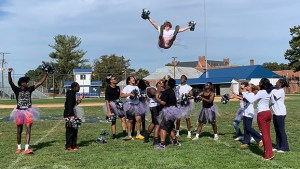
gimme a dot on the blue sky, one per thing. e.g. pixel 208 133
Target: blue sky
pixel 236 29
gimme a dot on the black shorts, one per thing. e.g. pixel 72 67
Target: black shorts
pixel 167 125
pixel 154 114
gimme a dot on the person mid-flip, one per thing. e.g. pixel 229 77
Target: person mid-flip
pixel 167 35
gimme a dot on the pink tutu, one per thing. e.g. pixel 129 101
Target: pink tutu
pixel 25 116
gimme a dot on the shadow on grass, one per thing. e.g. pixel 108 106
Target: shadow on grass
pixel 256 150
pixel 86 143
pixel 42 145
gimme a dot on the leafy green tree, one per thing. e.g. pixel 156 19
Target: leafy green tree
pixel 293 54
pixel 67 57
pixel 141 73
pixel 112 64
pixel 275 66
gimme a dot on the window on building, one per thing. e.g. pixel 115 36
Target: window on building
pixel 82 77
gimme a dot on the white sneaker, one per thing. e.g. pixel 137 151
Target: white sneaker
pixel 280 151
pixel 239 138
pixel 195 138
pixel 216 138
pixel 274 149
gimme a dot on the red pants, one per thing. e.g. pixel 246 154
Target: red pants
pixel 264 119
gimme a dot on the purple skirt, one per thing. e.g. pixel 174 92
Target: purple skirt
pixel 138 109
pixel 186 110
pixel 171 113
pixel 79 112
pixel 18 114
pixel 114 109
pixel 208 115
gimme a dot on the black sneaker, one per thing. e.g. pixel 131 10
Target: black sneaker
pixel 146 138
pixel 176 30
pixel 161 31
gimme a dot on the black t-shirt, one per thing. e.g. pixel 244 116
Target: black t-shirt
pixel 70 103
pixel 169 97
pixel 23 97
pixel 112 93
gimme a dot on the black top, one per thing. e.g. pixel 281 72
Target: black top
pixel 169 97
pixel 23 97
pixel 112 94
pixel 70 103
pixel 206 104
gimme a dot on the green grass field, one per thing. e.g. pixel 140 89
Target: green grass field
pixel 47 141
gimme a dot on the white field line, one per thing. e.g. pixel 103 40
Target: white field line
pixel 20 157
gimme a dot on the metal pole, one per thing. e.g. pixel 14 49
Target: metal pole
pixel 174 64
pixel 205 41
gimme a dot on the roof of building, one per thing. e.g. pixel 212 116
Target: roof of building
pixel 169 71
pixel 241 73
pixel 196 81
pixel 195 63
pixel 79 70
pixel 187 64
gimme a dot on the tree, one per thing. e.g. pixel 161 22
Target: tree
pixel 293 54
pixel 141 73
pixel 112 64
pixel 275 66
pixel 67 57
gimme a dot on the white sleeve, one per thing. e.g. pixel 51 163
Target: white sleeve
pixel 125 90
pixel 190 88
pixel 278 94
pixel 250 99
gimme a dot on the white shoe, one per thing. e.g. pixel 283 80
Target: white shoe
pixel 280 151
pixel 216 138
pixel 239 138
pixel 274 149
pixel 195 138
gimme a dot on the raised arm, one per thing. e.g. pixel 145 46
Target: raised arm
pixel 184 29
pixel 11 83
pixel 153 23
pixel 41 81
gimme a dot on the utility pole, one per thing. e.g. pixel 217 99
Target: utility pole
pixel 2 68
pixel 174 62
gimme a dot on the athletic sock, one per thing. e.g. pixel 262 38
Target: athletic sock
pixel 189 133
pixel 124 133
pixel 129 134
pixel 138 132
pixel 26 146
pixel 19 146
pixel 114 136
pixel 197 135
pixel 177 132
pixel 215 135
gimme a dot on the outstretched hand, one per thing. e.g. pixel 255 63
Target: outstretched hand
pixel 10 70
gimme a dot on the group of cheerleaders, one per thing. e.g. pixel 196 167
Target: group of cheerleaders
pixel 168 105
